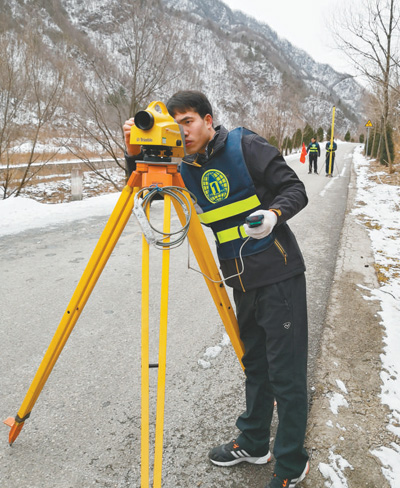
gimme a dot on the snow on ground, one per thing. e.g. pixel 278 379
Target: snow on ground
pixel 334 470
pixel 378 209
pixel 19 214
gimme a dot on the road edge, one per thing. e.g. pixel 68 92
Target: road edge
pixel 347 419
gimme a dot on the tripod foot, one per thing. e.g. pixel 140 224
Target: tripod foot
pixel 15 429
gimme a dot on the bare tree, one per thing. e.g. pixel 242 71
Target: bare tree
pixel 12 95
pixel 46 85
pixel 149 45
pixel 114 91
pixel 369 36
pixel 31 88
pixel 276 120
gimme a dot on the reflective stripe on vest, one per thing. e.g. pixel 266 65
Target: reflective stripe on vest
pixel 230 234
pixel 229 210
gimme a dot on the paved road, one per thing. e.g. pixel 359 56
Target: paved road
pixel 85 428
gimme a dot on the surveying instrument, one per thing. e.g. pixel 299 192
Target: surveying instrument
pixel 161 140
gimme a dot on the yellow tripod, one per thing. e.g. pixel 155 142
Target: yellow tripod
pixel 147 174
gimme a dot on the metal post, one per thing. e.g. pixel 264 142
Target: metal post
pixel 76 184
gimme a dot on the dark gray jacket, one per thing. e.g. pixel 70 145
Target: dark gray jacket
pixel 278 188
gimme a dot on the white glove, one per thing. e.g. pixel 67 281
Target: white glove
pixel 265 228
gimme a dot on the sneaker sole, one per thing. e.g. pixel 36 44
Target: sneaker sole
pixel 252 460
pixel 302 476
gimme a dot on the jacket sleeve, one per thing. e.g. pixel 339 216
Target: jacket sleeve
pixel 130 162
pixel 277 185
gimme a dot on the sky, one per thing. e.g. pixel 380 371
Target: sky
pixel 379 208
pixel 304 24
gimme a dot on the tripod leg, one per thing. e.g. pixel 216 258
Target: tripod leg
pixel 145 367
pixel 145 472
pixel 206 262
pixel 102 252
pixel 162 350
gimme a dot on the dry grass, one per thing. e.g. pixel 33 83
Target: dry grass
pixel 381 173
pixel 41 158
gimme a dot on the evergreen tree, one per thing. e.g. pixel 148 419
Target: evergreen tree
pixel 297 138
pixel 273 141
pixel 347 136
pixel 384 155
pixel 287 145
pixel 284 145
pixel 320 134
pixel 328 133
pixel 361 138
pixel 308 134
pixel 374 145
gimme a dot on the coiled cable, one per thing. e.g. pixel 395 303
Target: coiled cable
pixel 160 239
pixel 143 199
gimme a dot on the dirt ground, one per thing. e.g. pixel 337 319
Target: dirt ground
pixel 347 419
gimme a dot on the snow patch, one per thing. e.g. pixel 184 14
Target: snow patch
pixel 333 472
pixel 337 400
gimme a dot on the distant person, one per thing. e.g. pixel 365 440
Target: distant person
pixel 314 152
pixel 330 149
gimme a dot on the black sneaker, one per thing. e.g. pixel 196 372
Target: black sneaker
pixel 231 453
pixel 278 482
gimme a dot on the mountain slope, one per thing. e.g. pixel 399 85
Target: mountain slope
pixel 251 76
pixel 318 85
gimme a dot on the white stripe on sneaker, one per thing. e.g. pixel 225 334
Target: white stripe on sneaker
pixel 240 454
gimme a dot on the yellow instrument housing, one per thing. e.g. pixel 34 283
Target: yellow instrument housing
pixel 158 129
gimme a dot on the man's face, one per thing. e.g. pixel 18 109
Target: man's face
pixel 198 132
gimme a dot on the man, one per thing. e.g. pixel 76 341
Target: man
pixel 314 152
pixel 328 166
pixel 233 175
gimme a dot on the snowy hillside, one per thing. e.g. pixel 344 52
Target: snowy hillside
pixel 127 53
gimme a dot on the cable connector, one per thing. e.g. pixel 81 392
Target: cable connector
pixel 143 221
pixel 158 238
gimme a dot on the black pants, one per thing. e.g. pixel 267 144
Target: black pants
pixel 327 163
pixel 273 327
pixel 312 161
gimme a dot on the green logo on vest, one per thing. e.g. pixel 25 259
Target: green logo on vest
pixel 215 185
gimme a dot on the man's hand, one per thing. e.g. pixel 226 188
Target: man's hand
pixel 131 149
pixel 265 228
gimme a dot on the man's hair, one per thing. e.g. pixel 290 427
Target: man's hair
pixel 184 101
